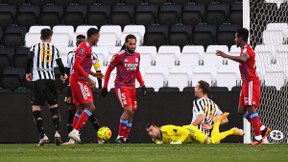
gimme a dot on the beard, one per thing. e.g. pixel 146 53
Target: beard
pixel 129 51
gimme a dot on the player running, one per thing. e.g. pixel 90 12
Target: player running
pixel 171 134
pixel 250 93
pixel 127 62
pixel 68 99
pixel 81 84
pixel 204 109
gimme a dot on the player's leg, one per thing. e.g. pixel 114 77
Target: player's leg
pixel 71 109
pixel 216 136
pixel 37 100
pixel 93 119
pixel 134 108
pixel 51 96
pixel 197 135
pixel 125 101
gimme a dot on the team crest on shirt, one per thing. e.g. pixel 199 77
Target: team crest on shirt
pixel 82 50
pixel 137 59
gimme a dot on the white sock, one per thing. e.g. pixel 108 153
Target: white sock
pixel 258 138
pixel 76 131
pixel 119 137
pixel 262 128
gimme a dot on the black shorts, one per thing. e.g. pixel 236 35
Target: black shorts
pixel 68 98
pixel 44 89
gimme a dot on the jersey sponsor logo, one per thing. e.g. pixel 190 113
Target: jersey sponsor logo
pixel 82 50
pixel 244 51
pixel 137 59
pixel 131 66
pixel 126 60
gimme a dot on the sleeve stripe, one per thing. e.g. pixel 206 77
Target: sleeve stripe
pixel 80 57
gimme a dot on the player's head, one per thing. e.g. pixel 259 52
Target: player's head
pixel 93 36
pixel 46 35
pixel 79 39
pixel 152 130
pixel 130 43
pixel 241 36
pixel 202 88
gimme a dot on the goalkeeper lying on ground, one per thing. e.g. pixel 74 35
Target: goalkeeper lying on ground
pixel 189 134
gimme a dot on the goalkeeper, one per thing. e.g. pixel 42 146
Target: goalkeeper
pixel 189 134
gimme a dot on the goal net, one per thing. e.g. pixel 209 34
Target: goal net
pixel 268 36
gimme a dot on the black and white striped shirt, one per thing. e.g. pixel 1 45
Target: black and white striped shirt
pixel 208 108
pixel 44 59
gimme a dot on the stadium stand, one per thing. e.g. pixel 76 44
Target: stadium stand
pixel 7 15
pixel 51 15
pixel 98 15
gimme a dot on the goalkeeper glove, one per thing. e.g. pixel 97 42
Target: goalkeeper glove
pixel 104 92
pixel 144 91
pixel 178 142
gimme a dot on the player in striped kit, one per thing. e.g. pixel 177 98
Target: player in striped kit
pixel 204 109
pixel 42 58
pixel 81 84
pixel 68 99
pixel 250 93
pixel 127 62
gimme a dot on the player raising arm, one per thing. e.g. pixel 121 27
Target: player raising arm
pixel 171 134
pixel 250 93
pixel 127 62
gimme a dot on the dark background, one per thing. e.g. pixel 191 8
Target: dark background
pixel 17 126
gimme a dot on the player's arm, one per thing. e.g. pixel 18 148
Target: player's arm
pixel 141 82
pixel 183 133
pixel 157 141
pixel 241 59
pixel 200 113
pixel 64 75
pixel 114 62
pixel 29 66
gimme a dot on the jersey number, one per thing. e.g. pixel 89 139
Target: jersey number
pixel 46 54
pixel 211 113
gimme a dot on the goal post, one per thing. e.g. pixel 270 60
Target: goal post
pixel 267 22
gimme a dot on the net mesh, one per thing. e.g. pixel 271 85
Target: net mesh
pixel 268 36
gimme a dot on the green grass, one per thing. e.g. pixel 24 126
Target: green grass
pixel 143 152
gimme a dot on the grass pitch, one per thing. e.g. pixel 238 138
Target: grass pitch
pixel 143 152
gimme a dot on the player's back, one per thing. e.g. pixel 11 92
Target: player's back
pixel 44 58
pixel 247 69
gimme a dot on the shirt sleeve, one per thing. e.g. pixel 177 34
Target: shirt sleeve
pixel 199 106
pixel 68 65
pixel 218 111
pixel 80 54
pixel 115 60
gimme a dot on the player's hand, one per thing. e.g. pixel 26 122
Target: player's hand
pixel 221 53
pixel 91 83
pixel 144 91
pixel 104 92
pixel 63 78
pixel 98 75
pixel 178 142
pixel 207 126
pixel 29 77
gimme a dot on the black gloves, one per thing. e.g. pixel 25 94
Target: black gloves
pixel 104 92
pixel 144 91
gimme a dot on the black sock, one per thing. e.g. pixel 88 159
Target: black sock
pixel 55 118
pixel 94 122
pixel 70 120
pixel 39 122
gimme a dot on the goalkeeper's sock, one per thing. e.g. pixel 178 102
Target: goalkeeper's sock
pixel 216 138
pixel 215 129
pixel 122 127
pixel 94 122
pixel 127 131
pixel 75 121
pixel 83 118
pixel 255 122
